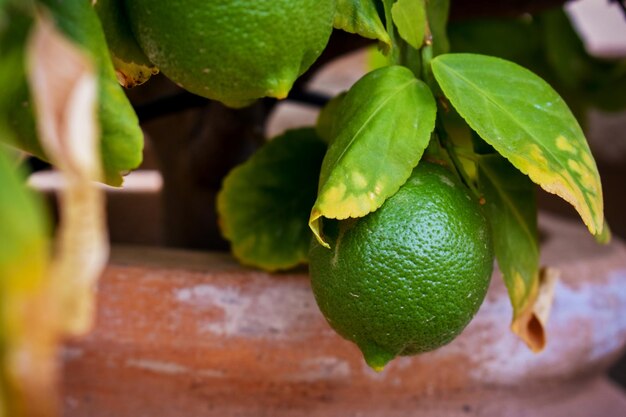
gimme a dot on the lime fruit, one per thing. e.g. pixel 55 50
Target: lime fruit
pixel 410 276
pixel 233 51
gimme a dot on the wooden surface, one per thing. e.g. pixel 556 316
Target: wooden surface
pixel 194 334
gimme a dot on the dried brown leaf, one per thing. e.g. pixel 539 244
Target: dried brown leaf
pixel 530 324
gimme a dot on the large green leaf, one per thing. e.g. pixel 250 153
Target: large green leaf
pixel 361 17
pixel 409 17
pixel 383 126
pixel 264 203
pixel 512 212
pixel 527 122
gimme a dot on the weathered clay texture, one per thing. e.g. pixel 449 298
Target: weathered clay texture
pixel 194 334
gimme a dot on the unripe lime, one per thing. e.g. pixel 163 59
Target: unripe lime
pixel 233 51
pixel 410 276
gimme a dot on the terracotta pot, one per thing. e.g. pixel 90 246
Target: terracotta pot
pixel 195 334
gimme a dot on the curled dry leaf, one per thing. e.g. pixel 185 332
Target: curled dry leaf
pixel 530 324
pixel 64 85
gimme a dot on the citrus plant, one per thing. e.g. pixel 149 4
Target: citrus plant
pixel 399 198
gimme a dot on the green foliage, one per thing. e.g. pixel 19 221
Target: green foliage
pixel 264 203
pixel 121 136
pixel 527 122
pixel 505 83
pixel 548 45
pixel 409 16
pixel 379 130
pixel 382 127
pixel 512 212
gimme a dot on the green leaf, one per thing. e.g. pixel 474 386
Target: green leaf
pixel 437 14
pixel 264 203
pixel 382 128
pixel 409 17
pixel 527 122
pixel 361 17
pixel 512 212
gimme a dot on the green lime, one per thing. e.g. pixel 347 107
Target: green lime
pixel 410 276
pixel 233 51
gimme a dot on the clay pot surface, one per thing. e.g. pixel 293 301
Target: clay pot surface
pixel 194 334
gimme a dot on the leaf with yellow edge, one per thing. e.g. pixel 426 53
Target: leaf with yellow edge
pixel 526 121
pixel 512 212
pixel 66 106
pixel 382 127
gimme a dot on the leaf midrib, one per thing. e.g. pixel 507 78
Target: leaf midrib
pixel 498 105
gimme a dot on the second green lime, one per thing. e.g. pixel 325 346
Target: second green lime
pixel 233 51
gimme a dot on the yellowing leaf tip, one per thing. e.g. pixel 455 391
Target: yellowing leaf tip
pixel 315 226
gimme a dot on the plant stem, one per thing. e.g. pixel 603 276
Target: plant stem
pixel 465 153
pixel 451 150
pixel 394 54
